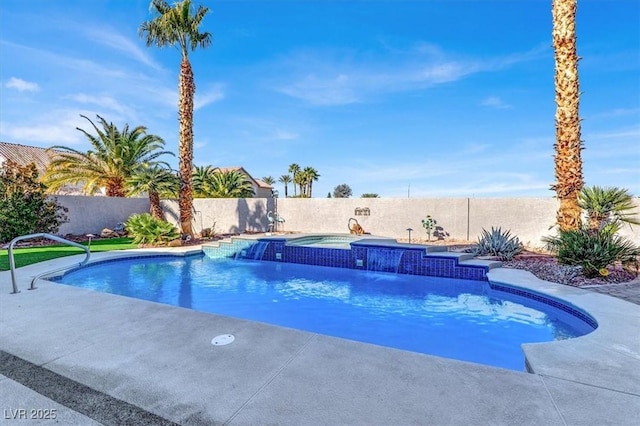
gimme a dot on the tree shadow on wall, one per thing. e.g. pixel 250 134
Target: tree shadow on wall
pixel 171 215
pixel 248 220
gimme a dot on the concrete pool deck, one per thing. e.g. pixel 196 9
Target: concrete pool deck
pixel 146 363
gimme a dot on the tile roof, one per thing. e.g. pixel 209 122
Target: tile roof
pixel 24 155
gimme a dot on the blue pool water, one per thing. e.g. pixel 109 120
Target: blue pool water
pixel 459 319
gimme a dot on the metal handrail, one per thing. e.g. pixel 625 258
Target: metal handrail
pixel 12 263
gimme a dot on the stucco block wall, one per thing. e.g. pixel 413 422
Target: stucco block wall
pixel 388 217
pixel 90 215
pixel 527 218
pixel 225 215
pixel 462 218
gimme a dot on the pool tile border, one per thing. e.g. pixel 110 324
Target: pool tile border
pixel 556 303
pixel 365 254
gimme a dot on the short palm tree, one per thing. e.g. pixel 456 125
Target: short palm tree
pixel 178 26
pixel 568 146
pixel 605 206
pixel 201 178
pixel 115 156
pixel 230 184
pixel 286 180
pixel 156 181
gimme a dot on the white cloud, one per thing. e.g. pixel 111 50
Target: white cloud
pixel 283 135
pixel 119 42
pixel 497 188
pixel 22 85
pixel 56 127
pixel 329 90
pixel 495 102
pixel 477 170
pixel 105 102
pixel 42 133
pixel 632 133
pixel 77 66
pixel 335 78
pixel 207 97
pixel 617 112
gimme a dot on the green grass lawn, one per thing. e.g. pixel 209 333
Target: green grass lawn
pixel 27 256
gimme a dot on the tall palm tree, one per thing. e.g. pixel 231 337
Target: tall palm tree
pixel 115 156
pixel 156 181
pixel 299 180
pixel 310 175
pixel 286 180
pixel 177 26
pixel 294 169
pixel 568 146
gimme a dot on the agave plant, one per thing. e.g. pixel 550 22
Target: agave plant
pixel 497 243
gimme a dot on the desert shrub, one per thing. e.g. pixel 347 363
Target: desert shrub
pixel 428 224
pixel 24 207
pixel 593 250
pixel 608 207
pixel 145 229
pixel 497 243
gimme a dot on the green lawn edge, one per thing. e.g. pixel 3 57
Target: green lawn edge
pixel 31 255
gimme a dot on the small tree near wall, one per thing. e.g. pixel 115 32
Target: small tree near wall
pixel 342 191
pixel 24 208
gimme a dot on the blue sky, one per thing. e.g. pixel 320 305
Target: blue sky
pixel 420 98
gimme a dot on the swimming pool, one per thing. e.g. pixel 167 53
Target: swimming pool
pixel 461 319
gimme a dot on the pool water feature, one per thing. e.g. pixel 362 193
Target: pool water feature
pixel 384 259
pixel 254 251
pixel 460 319
pixel 355 252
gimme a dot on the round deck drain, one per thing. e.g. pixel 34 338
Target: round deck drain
pixel 223 339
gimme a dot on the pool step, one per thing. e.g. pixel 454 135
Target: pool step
pixel 465 259
pixel 228 247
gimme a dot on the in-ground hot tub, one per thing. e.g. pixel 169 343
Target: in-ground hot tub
pixel 331 240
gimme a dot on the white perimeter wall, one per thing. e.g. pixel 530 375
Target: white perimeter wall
pixel 90 215
pixel 463 218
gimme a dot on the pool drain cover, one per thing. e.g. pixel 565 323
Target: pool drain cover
pixel 223 339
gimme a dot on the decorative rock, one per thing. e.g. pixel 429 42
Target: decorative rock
pixel 175 243
pixel 108 233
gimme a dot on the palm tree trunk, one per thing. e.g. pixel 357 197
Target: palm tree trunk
pixel 568 146
pixel 286 190
pixel 115 188
pixel 155 208
pixel 186 90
